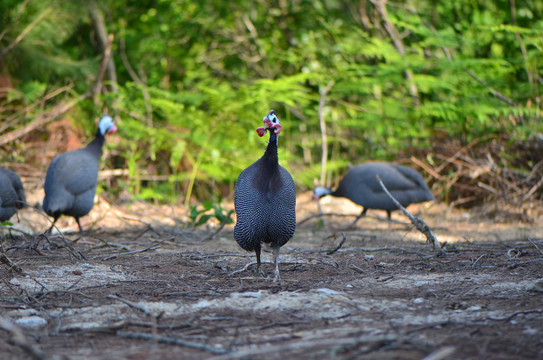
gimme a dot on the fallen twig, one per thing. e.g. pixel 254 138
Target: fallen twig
pixel 171 341
pixel 419 223
pixel 348 215
pixel 322 214
pixel 10 263
pixel 535 245
pixel 132 252
pixel 441 353
pixel 224 222
pixel 524 312
pixel 330 252
pixel 242 269
pixel 18 338
pixel 357 269
pixel 131 304
pixel 300 345
pixel 42 119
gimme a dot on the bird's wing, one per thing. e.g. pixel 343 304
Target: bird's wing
pixel 17 185
pixel 413 176
pixel 76 171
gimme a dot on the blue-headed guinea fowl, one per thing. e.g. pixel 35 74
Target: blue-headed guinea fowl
pixel 360 185
pixel 70 182
pixel 12 195
pixel 265 200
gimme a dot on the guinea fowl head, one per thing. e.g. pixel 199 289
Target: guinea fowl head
pixel 271 122
pixel 106 126
pixel 321 191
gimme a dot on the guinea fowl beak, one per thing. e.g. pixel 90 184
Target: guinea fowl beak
pixel 269 124
pixel 261 131
pixel 278 128
pixel 113 129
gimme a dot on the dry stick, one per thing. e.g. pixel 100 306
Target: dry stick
pixel 132 252
pixel 532 190
pixel 26 110
pixel 66 242
pixel 535 245
pixel 428 169
pixel 171 341
pixel 131 304
pixel 521 44
pixel 441 353
pixel 139 82
pixel 173 217
pixel 311 344
pixel 42 119
pixel 105 60
pixel 522 312
pixel 419 223
pixel 323 130
pixel 357 269
pixel 346 215
pixel 19 339
pixel 380 6
pixel 242 269
pixel 330 252
pixel 392 249
pixel 223 223
pixel 26 30
pixel 10 263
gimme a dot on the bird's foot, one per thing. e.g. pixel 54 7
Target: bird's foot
pixel 260 272
pixel 276 277
pixel 243 268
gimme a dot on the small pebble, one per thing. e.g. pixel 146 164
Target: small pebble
pixel 31 322
pixel 328 291
pixel 536 286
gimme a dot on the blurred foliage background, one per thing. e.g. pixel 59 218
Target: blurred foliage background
pixel 189 82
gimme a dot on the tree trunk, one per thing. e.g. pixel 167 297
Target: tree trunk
pixel 99 25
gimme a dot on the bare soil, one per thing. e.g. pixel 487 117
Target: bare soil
pixel 139 285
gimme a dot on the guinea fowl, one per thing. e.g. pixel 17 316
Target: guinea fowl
pixel 12 195
pixel 360 185
pixel 70 183
pixel 265 200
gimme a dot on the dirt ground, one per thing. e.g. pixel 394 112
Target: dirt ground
pixel 139 284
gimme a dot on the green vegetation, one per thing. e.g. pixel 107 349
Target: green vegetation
pixel 192 80
pixel 200 215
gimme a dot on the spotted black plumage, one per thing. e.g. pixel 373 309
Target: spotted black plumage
pixel 70 182
pixel 361 187
pixel 12 195
pixel 265 201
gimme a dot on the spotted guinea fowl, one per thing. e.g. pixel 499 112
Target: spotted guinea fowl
pixel 12 195
pixel 265 200
pixel 360 185
pixel 70 183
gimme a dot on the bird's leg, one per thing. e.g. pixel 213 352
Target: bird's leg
pixel 389 213
pixel 362 214
pixel 276 263
pixel 79 224
pixel 257 253
pixel 50 230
